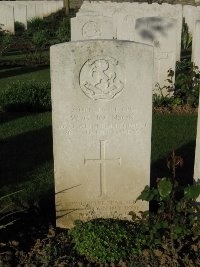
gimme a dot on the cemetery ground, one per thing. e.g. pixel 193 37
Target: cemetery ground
pixel 27 179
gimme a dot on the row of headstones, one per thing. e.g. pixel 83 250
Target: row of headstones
pixel 154 24
pixel 102 119
pixel 22 11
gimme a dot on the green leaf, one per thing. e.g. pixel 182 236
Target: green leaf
pixel 164 187
pixel 192 192
pixel 147 194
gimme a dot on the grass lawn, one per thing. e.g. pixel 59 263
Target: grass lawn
pixel 26 158
pixel 11 74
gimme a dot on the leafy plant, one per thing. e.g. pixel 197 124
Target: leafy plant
pixel 63 32
pixel 176 224
pixel 5 40
pixel 6 211
pixel 169 99
pixel 53 250
pixel 186 40
pixel 30 95
pixel 19 28
pixel 185 89
pixel 34 25
pixel 103 240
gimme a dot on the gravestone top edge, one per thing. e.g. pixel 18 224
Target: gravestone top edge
pixel 120 42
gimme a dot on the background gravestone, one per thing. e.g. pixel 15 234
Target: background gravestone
pixel 7 17
pixel 191 14
pixel 161 33
pixel 20 14
pixel 196 44
pixel 91 27
pixel 127 16
pixel 102 114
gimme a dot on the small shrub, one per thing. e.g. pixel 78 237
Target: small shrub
pixel 174 230
pixel 19 28
pixel 6 211
pixel 6 39
pixel 103 240
pixel 40 39
pixel 63 32
pixel 185 89
pixel 187 82
pixel 54 250
pixel 26 96
pixel 165 101
pixel 35 25
pixel 186 40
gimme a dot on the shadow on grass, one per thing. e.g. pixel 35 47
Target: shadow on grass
pixel 23 153
pixel 9 72
pixel 184 174
pixel 11 116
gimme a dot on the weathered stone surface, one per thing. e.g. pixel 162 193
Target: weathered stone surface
pixel 30 7
pixel 161 33
pixel 20 14
pixel 7 17
pixel 102 112
pixel 196 44
pixel 91 27
pixel 191 14
pixel 128 15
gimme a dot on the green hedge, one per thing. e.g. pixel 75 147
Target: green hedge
pixel 26 96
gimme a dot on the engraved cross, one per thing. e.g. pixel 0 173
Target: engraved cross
pixel 102 160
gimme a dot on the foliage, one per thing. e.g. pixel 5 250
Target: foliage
pixel 187 82
pixel 54 250
pixel 165 101
pixel 30 96
pixel 175 226
pixel 185 89
pixel 19 28
pixel 36 24
pixel 5 40
pixel 186 39
pixel 6 211
pixel 63 32
pixel 103 240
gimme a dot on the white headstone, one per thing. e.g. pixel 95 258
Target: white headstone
pixel 102 113
pixel 161 33
pixel 7 17
pixel 30 6
pixel 91 27
pixel 191 14
pixel 100 8
pixel 196 44
pixel 39 9
pixel 20 14
pixel 127 16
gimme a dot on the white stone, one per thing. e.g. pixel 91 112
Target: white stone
pixel 127 16
pixel 7 17
pixel 100 8
pixel 102 113
pixel 30 7
pixel 91 27
pixel 39 9
pixel 191 14
pixel 161 33
pixel 20 14
pixel 196 44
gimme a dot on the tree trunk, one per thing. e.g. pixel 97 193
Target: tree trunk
pixel 66 6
